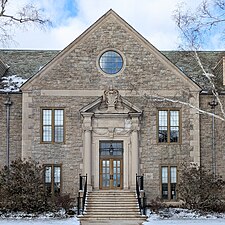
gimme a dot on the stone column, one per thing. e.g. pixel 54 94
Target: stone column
pixel 134 150
pixel 87 128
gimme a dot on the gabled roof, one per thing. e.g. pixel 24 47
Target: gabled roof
pixel 133 32
pixel 27 63
pixel 32 60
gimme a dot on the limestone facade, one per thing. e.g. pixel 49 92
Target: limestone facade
pixel 100 107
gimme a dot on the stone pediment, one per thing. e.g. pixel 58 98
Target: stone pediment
pixel 111 102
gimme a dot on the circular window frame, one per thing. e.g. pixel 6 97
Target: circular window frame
pixel 113 74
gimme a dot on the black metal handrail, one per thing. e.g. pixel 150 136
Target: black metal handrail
pixel 82 194
pixel 140 194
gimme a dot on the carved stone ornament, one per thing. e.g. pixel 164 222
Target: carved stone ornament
pixel 111 97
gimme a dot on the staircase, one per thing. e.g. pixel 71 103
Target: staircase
pixel 112 205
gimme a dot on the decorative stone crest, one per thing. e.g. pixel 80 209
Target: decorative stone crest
pixel 111 97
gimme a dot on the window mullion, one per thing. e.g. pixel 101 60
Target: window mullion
pixel 53 126
pixel 52 184
pixel 169 184
pixel 168 125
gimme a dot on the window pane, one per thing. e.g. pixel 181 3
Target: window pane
pixel 173 191
pixel 57 173
pixel 163 129
pixel 48 174
pixel 47 133
pixel 165 174
pixel 47 117
pixel 111 62
pixel 174 134
pixel 59 134
pixel 164 191
pixel 163 134
pixel 173 174
pixel 111 148
pixel 59 117
pixel 174 118
pixel 163 118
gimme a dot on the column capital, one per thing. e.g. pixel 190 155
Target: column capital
pixel 135 128
pixel 87 128
pixel 87 114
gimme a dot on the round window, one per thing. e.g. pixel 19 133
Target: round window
pixel 111 62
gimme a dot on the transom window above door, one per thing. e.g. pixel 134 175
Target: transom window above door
pixel 111 148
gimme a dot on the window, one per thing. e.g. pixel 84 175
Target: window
pixel 168 182
pixel 111 62
pixel 53 125
pixel 169 126
pixel 52 178
pixel 113 148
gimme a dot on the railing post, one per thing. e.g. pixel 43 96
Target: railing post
pixel 83 190
pixel 144 205
pixel 141 183
pixel 81 185
pixel 78 205
pixel 141 196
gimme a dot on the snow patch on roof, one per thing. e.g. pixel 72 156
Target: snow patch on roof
pixel 12 83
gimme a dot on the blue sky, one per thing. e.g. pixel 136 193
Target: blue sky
pixel 151 18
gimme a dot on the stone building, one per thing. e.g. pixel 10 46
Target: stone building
pixel 109 106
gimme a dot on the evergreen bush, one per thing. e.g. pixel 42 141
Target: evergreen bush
pixel 200 189
pixel 22 188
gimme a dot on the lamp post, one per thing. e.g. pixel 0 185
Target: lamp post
pixel 213 105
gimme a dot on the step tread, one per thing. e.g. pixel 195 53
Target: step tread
pixel 112 205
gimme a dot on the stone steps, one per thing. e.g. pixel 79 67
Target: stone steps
pixel 112 205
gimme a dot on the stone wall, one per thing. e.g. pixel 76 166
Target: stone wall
pixel 15 140
pixel 73 80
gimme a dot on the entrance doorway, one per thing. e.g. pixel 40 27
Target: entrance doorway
pixel 111 164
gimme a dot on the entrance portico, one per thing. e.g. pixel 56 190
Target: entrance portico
pixel 111 121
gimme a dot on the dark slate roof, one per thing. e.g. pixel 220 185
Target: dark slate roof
pixel 25 63
pixel 187 63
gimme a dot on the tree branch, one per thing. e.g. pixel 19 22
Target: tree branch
pixel 28 14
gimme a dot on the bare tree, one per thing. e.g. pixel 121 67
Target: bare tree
pixel 23 18
pixel 196 29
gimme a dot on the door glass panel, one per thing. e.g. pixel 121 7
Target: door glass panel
pixel 116 174
pixel 105 173
pixel 111 156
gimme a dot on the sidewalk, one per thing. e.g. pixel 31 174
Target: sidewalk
pixel 111 222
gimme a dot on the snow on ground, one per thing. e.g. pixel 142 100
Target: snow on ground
pixel 165 217
pixel 40 221
pixel 184 217
pixel 186 222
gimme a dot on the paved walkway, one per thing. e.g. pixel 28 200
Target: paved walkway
pixel 111 222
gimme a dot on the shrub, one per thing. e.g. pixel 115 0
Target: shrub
pixel 199 189
pixel 64 201
pixel 156 204
pixel 21 187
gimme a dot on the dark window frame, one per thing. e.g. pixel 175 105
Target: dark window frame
pixel 52 182
pixel 109 64
pixel 53 125
pixel 171 187
pixel 168 126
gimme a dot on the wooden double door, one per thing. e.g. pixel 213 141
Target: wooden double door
pixel 111 165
